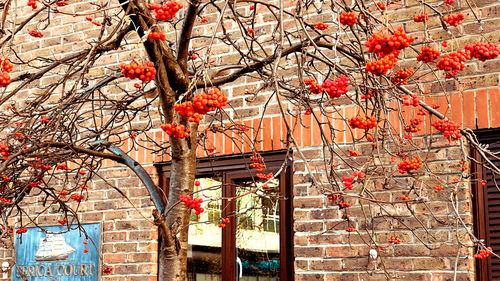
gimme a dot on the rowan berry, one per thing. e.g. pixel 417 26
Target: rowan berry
pixel 157 35
pixel 405 198
pixel 483 51
pixel 453 62
pixel 35 33
pixel 353 153
pixel 428 54
pixel 209 101
pixel 401 75
pixel 347 18
pixel 192 203
pixel 320 25
pixel 381 6
pixel 62 3
pixel 438 187
pixel 408 165
pixel 421 18
pixel 32 3
pixel 350 229
pixel 394 240
pixel 337 87
pixel 363 123
pixel 454 19
pixel 448 128
pixel 145 72
pixel 384 44
pixel 313 87
pixel 166 11
pixel 176 131
pixel 381 66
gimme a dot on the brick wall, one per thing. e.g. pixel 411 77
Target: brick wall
pixel 323 249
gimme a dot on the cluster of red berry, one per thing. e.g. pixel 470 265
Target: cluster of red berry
pixel 348 18
pixel 320 25
pixel 333 197
pixel 453 62
pixel 384 44
pixel 192 203
pixel 223 223
pixel 35 33
pixel 77 197
pixel 350 229
pixel 166 11
pixel 483 253
pixel 344 204
pixel 448 128
pixel 363 123
pixel 62 222
pixel 210 101
pixel 428 54
pixel 266 177
pixel 348 182
pixel 421 18
pixel 405 198
pixel 4 79
pixel 157 35
pixel 257 163
pixel 4 151
pixel 401 75
pixel 381 6
pixel 313 87
pixel 454 19
pixel 353 153
pixel 407 165
pixel 449 2
pixel 107 270
pixel 337 87
pixel 438 187
pixel 413 127
pixel 483 51
pixel 381 66
pixel 483 182
pixel 4 200
pixel 186 109
pixel 145 72
pixel 358 174
pixel 394 240
pixel 412 100
pixel 21 230
pixel 177 131
pixel 32 3
pixel 62 3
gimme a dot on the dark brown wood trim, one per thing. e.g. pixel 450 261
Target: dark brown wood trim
pixel 479 213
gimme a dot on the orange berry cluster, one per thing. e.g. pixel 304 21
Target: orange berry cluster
pixel 438 187
pixel 413 127
pixel 448 128
pixel 35 33
pixel 350 229
pixel 192 203
pixel 145 72
pixel 383 43
pixel 348 182
pixel 483 253
pixel 266 177
pixel 320 25
pixel 62 222
pixel 405 198
pixel 257 163
pixel 62 3
pixel 408 165
pixel 401 75
pixel 421 18
pixel 413 100
pixel 344 204
pixel 333 197
pixel 21 230
pixel 4 151
pixel 157 35
pixel 337 87
pixel 224 222
pixel 381 6
pixel 454 19
pixel 313 87
pixel 353 153
pixel 210 101
pixel 177 131
pixel 363 123
pixel 186 109
pixel 77 197
pixel 394 240
pixel 166 11
pixel 483 51
pixel 381 66
pixel 453 62
pixel 4 79
pixel 347 18
pixel 32 3
pixel 428 54
pixel 449 2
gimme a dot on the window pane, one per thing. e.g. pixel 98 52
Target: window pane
pixel 205 238
pixel 257 231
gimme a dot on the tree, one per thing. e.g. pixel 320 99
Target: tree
pixel 63 129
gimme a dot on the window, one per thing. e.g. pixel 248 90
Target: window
pixel 257 243
pixel 485 201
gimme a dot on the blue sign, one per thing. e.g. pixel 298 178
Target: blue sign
pixel 56 254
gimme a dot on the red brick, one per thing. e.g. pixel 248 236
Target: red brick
pixel 495 107
pixel 469 103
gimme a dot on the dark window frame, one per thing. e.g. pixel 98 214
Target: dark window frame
pixel 231 168
pixel 479 201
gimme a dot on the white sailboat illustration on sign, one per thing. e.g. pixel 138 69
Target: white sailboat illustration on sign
pixel 53 248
